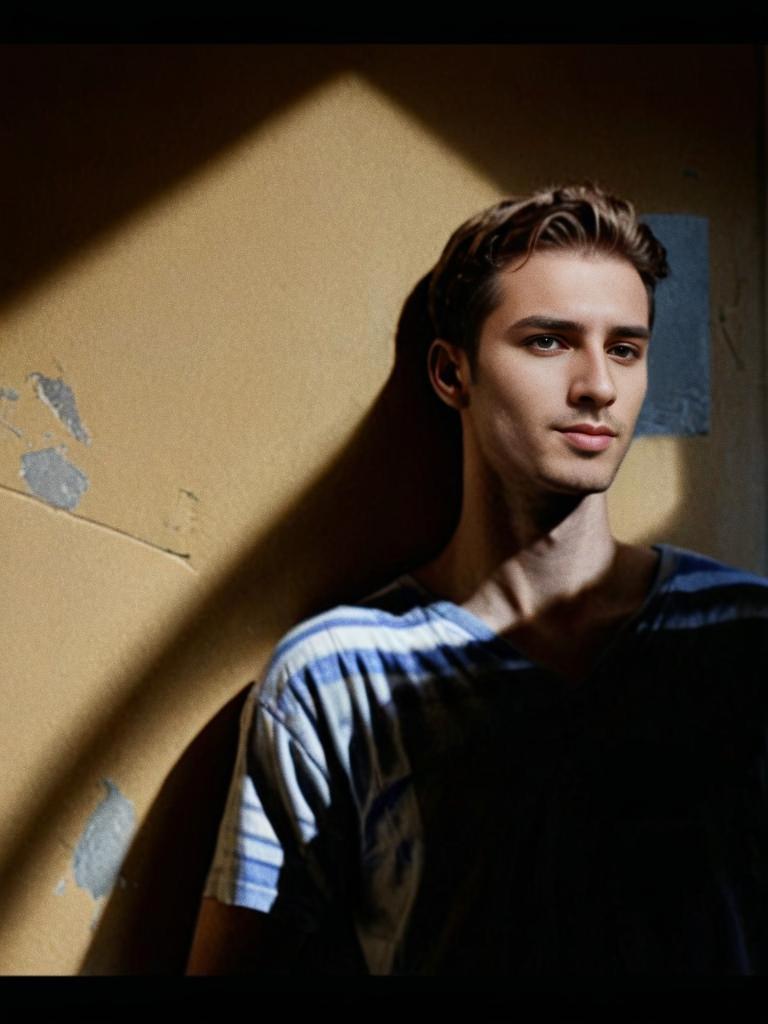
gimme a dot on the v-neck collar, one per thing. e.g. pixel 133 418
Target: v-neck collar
pixel 478 629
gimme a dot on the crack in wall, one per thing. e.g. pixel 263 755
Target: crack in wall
pixel 182 557
pixel 8 394
pixel 13 430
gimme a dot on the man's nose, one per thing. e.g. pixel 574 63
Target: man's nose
pixel 592 382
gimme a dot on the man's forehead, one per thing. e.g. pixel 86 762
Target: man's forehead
pixel 573 286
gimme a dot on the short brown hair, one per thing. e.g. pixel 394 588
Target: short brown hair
pixel 463 289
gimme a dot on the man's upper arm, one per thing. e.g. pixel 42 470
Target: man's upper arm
pixel 227 938
pixel 237 940
pixel 275 889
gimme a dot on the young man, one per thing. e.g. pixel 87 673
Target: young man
pixel 545 751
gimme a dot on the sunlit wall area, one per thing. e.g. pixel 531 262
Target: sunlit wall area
pixel 211 247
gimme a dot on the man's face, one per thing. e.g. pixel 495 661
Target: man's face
pixel 562 356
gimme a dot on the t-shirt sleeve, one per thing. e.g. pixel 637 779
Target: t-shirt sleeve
pixel 248 857
pixel 284 845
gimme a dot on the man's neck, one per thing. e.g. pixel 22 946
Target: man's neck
pixel 518 561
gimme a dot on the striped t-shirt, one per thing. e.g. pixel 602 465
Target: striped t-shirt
pixel 404 769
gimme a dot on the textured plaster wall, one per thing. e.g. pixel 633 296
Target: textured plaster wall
pixel 194 446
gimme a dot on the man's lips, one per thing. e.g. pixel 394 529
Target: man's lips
pixel 588 428
pixel 588 437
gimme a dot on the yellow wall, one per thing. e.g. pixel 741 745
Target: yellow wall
pixel 210 248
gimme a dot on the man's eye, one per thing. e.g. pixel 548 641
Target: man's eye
pixel 628 352
pixel 544 343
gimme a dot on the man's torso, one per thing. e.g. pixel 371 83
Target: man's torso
pixel 489 817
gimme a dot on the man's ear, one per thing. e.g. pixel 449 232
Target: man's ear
pixel 449 373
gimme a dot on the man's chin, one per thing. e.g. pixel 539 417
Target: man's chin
pixel 580 486
pixel 587 476
pixel 567 481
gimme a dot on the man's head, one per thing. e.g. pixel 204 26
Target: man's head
pixel 464 284
pixel 542 311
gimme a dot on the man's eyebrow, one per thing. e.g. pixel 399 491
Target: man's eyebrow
pixel 549 323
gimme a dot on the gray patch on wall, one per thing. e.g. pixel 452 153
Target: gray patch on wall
pixel 10 393
pixel 51 477
pixel 678 397
pixel 60 399
pixel 104 842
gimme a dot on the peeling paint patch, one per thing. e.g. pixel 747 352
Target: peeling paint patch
pixel 51 477
pixel 60 399
pixel 104 842
pixel 60 887
pixel 10 393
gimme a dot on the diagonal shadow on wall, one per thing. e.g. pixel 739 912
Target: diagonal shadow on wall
pixel 92 133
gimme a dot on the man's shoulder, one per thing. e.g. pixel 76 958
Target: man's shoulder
pixel 701 590
pixel 694 572
pixel 390 621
